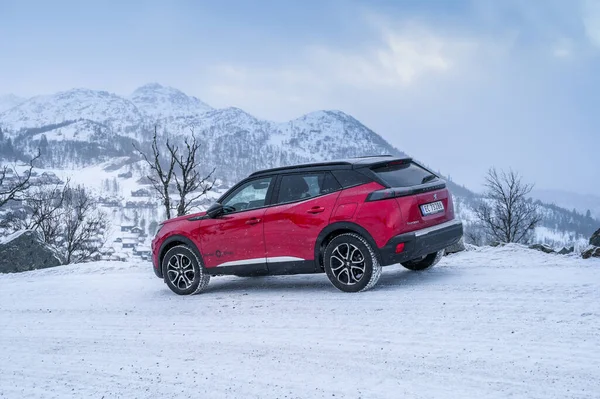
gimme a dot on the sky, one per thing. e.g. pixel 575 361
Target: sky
pixel 460 85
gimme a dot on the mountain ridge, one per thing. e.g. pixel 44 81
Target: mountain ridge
pixel 83 127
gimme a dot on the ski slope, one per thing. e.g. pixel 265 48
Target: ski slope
pixel 492 323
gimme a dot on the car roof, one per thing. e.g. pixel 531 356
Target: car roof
pixel 346 163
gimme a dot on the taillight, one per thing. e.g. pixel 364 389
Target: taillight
pixel 403 191
pixel 400 248
pixel 381 194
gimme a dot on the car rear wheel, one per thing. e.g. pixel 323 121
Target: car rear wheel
pixel 425 262
pixel 183 271
pixel 351 264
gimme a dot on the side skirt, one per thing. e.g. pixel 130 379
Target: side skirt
pixel 265 269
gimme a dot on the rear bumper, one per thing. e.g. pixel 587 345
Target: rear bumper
pixel 422 242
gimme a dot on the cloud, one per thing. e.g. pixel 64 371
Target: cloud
pixel 400 59
pixel 591 20
pixel 563 48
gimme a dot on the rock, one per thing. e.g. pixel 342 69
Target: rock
pixel 25 250
pixel 542 247
pixel 566 251
pixel 595 239
pixel 458 247
pixel 591 252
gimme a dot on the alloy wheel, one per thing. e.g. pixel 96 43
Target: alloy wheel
pixel 180 271
pixel 347 264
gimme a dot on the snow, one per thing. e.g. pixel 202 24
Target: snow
pixel 491 323
pixel 6 239
pixel 8 101
pixel 158 102
pixel 75 104
pixel 78 131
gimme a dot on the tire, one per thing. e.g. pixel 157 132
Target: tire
pixel 338 257
pixel 178 265
pixel 424 263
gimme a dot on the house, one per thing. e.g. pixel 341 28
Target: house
pixel 127 227
pixel 140 193
pixel 125 175
pixel 129 242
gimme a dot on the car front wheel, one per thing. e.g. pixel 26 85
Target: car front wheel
pixel 351 264
pixel 183 271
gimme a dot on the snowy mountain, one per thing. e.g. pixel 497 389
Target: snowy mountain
pixel 159 102
pixel 99 106
pixel 569 200
pixel 87 135
pixel 8 101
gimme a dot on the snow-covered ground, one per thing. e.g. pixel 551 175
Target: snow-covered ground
pixel 493 323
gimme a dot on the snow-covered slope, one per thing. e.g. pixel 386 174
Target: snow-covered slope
pixel 8 101
pixel 494 323
pixel 71 105
pixel 570 200
pixel 159 102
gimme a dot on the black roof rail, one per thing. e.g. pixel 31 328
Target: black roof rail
pixel 301 166
pixel 372 156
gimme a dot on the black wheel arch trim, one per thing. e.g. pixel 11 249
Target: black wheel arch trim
pixel 343 226
pixel 170 240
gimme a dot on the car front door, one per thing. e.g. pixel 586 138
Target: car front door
pixel 234 240
pixel 302 207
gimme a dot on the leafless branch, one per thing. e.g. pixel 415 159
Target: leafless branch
pixel 506 212
pixel 160 177
pixel 18 185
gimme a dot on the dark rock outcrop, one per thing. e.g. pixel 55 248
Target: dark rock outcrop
pixel 595 239
pixel 566 251
pixel 542 247
pixel 25 250
pixel 591 252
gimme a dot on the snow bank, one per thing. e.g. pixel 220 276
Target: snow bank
pixel 489 323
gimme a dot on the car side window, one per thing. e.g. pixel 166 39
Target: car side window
pixel 296 187
pixel 248 196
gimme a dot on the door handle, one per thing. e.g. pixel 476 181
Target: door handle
pixel 253 221
pixel 316 209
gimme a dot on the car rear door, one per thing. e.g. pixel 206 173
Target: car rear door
pixel 303 203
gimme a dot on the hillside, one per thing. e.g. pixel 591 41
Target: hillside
pixel 87 136
pixel 481 324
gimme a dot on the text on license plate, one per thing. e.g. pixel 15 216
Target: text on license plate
pixel 431 208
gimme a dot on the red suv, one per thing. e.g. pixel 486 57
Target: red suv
pixel 345 218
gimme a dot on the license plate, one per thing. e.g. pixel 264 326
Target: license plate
pixel 431 208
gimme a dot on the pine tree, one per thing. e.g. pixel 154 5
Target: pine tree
pixel 43 145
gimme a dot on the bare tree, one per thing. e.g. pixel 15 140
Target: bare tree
pixel 161 172
pixel 83 227
pixel 13 187
pixel 506 212
pixel 187 178
pixel 180 168
pixel 44 209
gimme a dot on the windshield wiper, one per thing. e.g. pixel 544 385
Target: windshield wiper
pixel 428 178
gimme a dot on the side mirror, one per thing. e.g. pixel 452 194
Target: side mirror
pixel 215 210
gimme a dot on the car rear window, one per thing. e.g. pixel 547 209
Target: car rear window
pixel 298 186
pixel 402 175
pixel 350 178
